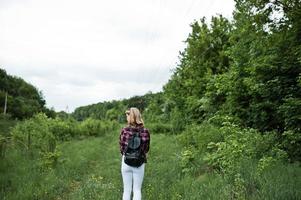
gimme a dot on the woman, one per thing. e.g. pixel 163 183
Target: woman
pixel 133 176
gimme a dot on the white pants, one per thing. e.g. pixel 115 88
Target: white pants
pixel 132 176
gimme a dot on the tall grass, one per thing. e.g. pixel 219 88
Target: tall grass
pixel 280 182
pixel 90 169
pixel 6 125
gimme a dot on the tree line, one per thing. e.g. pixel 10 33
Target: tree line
pixel 22 99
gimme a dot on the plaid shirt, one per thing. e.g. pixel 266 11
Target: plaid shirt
pixel 127 133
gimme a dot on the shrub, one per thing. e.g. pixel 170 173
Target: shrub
pixel 188 157
pixel 49 160
pixel 94 127
pixel 91 127
pixel 65 129
pixel 240 144
pixel 34 134
pixel 200 136
pixel 291 143
pixel 178 121
pixel 34 137
pixel 160 127
pixel 62 129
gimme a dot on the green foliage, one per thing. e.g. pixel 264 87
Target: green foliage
pixel 291 143
pixel 3 142
pixel 23 99
pixel 38 137
pixel 239 190
pixel 195 139
pixel 90 169
pixel 35 139
pixel 177 120
pixel 204 57
pixel 113 114
pixel 64 129
pixel 49 160
pixel 199 136
pixel 34 134
pixel 265 63
pixel 189 162
pixel 93 127
pixel 160 127
pixel 114 110
pixel 158 109
pixel 240 144
pixel 291 112
pixel 279 182
pixel 6 124
pixel 234 97
pixel 247 70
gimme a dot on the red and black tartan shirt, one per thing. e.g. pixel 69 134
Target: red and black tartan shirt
pixel 127 133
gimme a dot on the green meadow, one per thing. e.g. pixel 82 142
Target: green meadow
pixel 89 168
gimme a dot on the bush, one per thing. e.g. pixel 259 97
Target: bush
pixel 35 139
pixel 94 127
pixel 291 143
pixel 49 160
pixel 240 144
pixel 64 129
pixel 199 136
pixel 90 127
pixel 34 134
pixel 160 127
pixel 178 121
pixel 219 119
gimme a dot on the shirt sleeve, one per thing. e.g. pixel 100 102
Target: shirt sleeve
pixel 146 138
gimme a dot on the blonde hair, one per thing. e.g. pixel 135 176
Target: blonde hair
pixel 135 117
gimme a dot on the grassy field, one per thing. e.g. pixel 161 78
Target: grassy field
pixel 90 169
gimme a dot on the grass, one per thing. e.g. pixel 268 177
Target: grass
pixel 6 125
pixel 90 169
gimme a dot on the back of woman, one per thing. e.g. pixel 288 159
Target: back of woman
pixel 132 175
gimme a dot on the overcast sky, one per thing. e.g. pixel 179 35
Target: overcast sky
pixel 89 51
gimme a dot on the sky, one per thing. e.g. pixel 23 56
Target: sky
pixel 83 52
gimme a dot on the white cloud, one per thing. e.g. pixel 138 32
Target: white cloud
pixel 82 52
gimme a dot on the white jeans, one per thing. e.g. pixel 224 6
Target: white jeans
pixel 132 176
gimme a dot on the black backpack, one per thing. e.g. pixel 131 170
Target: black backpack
pixel 133 154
